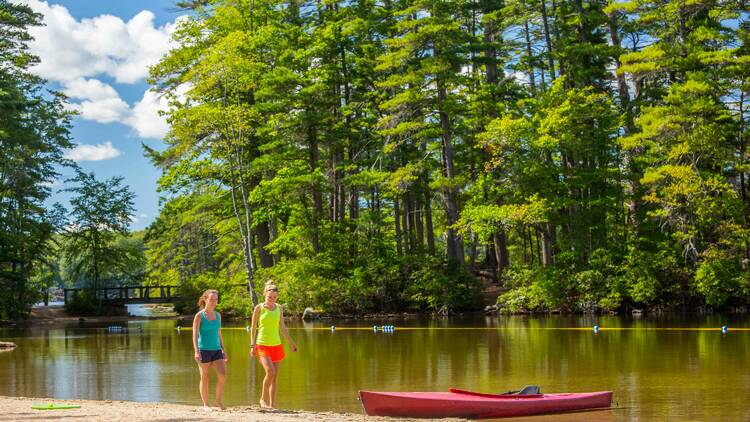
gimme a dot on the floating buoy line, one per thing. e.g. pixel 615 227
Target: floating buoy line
pixel 596 329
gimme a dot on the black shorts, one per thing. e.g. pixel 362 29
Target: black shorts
pixel 208 356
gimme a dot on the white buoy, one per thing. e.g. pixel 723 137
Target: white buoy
pixel 596 329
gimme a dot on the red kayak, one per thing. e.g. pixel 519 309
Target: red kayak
pixel 468 404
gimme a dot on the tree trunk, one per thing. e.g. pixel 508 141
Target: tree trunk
pixel 500 246
pixel 316 194
pixel 522 232
pixel 430 232
pixel 633 186
pixel 274 234
pixel 546 245
pixel 353 195
pixel 529 56
pixel 409 222
pixel 405 227
pixel 473 251
pixel 419 225
pixel 490 259
pixel 262 233
pixel 244 235
pixel 490 52
pixel 556 31
pixel 547 40
pixel 455 248
pixel 397 218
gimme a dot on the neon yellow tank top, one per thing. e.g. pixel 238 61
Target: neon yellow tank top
pixel 268 327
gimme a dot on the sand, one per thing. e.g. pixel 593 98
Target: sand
pixel 19 409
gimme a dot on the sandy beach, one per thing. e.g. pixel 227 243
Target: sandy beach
pixel 19 409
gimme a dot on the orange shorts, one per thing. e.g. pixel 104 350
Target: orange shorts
pixel 276 353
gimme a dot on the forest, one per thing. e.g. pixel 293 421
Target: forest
pixel 400 155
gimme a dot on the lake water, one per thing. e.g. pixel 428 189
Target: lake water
pixel 690 371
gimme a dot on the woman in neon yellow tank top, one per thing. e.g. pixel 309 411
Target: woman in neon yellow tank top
pixel 268 323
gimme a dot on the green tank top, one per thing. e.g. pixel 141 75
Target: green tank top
pixel 268 327
pixel 208 334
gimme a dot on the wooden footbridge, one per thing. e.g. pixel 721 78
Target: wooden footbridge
pixel 133 294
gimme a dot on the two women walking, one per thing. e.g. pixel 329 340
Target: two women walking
pixel 267 328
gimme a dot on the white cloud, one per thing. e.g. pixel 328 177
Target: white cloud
pixel 51 183
pixel 75 53
pixel 100 103
pixel 136 219
pixel 104 111
pixel 99 152
pixel 145 118
pixel 90 89
pixel 148 45
pixel 521 77
pixel 72 49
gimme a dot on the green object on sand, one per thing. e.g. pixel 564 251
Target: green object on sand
pixel 53 406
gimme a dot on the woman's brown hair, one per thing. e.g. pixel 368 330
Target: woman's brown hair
pixel 270 286
pixel 204 297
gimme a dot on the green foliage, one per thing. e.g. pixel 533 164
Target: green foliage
pixel 82 302
pixel 34 134
pixel 601 287
pixel 435 286
pixel 376 284
pixel 358 154
pixel 100 212
pixel 533 290
pixel 324 283
pixel 485 220
pixel 719 277
pixel 234 299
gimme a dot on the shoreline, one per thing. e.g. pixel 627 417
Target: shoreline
pixel 56 316
pixel 19 408
pixel 52 316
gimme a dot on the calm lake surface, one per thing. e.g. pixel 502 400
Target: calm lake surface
pixel 656 374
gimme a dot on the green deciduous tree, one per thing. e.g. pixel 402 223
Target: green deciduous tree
pixel 33 135
pixel 101 211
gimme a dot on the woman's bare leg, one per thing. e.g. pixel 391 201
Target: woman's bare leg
pixel 204 370
pixel 270 369
pixel 272 388
pixel 221 373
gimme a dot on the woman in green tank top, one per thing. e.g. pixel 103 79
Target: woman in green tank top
pixel 265 341
pixel 209 346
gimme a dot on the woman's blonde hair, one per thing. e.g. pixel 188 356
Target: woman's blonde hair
pixel 204 297
pixel 270 286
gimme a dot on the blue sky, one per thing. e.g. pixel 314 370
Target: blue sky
pixel 98 53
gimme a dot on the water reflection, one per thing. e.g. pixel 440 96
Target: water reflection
pixel 697 375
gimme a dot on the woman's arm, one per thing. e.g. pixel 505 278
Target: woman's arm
pixel 221 340
pixel 284 331
pixel 196 329
pixel 254 328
